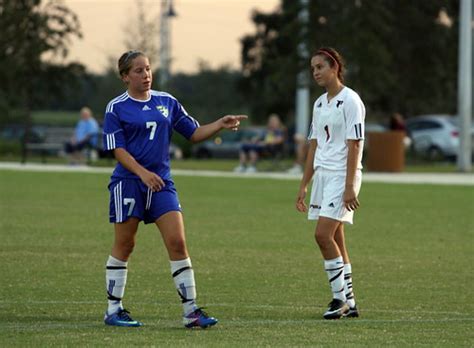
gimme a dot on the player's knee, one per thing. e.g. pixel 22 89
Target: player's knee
pixel 177 246
pixel 322 240
pixel 126 247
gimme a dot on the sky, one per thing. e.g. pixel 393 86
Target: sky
pixel 204 29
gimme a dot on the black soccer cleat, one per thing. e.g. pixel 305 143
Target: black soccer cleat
pixel 337 308
pixel 353 312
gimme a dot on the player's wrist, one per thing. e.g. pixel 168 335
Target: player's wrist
pixel 221 122
pixel 141 172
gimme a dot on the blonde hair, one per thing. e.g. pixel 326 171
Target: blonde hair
pixel 85 110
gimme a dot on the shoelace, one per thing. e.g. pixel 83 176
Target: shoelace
pixel 124 315
pixel 332 304
pixel 201 312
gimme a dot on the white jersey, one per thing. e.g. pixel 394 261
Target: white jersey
pixel 333 124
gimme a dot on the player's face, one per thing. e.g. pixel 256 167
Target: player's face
pixel 322 72
pixel 139 76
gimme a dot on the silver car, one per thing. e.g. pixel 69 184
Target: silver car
pixel 435 136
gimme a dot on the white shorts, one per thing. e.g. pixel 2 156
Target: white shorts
pixel 327 195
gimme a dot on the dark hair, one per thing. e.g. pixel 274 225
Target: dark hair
pixel 333 58
pixel 125 61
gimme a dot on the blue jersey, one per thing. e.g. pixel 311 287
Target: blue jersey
pixel 144 129
pixel 86 128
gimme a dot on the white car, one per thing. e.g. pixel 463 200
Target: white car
pixel 435 136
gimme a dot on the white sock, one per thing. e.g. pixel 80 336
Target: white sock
pixel 183 276
pixel 348 285
pixel 115 280
pixel 335 271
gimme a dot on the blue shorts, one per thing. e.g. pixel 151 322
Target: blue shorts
pixel 131 198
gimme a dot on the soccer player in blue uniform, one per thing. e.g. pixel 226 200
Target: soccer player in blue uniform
pixel 137 128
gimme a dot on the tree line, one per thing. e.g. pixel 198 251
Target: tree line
pixel 401 56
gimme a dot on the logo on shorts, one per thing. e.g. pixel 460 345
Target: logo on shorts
pixel 163 109
pixel 331 205
pixel 314 206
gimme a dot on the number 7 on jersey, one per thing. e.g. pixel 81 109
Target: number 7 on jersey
pixel 152 125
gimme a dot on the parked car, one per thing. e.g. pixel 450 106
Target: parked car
pixel 435 136
pixel 227 144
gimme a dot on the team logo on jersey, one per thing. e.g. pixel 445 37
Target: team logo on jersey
pixel 319 105
pixel 163 110
pixel 146 108
pixel 339 102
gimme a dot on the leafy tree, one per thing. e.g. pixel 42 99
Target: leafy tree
pixel 425 56
pixel 270 62
pixel 207 95
pixel 142 32
pixel 400 56
pixel 29 30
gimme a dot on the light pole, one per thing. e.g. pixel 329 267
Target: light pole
pixel 302 79
pixel 465 85
pixel 167 12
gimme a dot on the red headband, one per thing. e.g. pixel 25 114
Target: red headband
pixel 326 53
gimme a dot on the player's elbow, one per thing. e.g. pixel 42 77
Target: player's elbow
pixel 355 144
pixel 194 139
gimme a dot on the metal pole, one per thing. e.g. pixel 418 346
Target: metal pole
pixel 465 85
pixel 165 46
pixel 302 79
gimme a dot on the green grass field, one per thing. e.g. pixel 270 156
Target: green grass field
pixel 256 265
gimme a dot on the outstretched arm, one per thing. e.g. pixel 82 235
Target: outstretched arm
pixel 228 122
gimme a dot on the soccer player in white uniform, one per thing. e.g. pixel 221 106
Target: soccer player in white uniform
pixel 334 158
pixel 138 126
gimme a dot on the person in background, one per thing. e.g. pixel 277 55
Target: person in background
pixel 397 123
pixel 335 159
pixel 272 142
pixel 138 126
pixel 301 148
pixel 86 135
